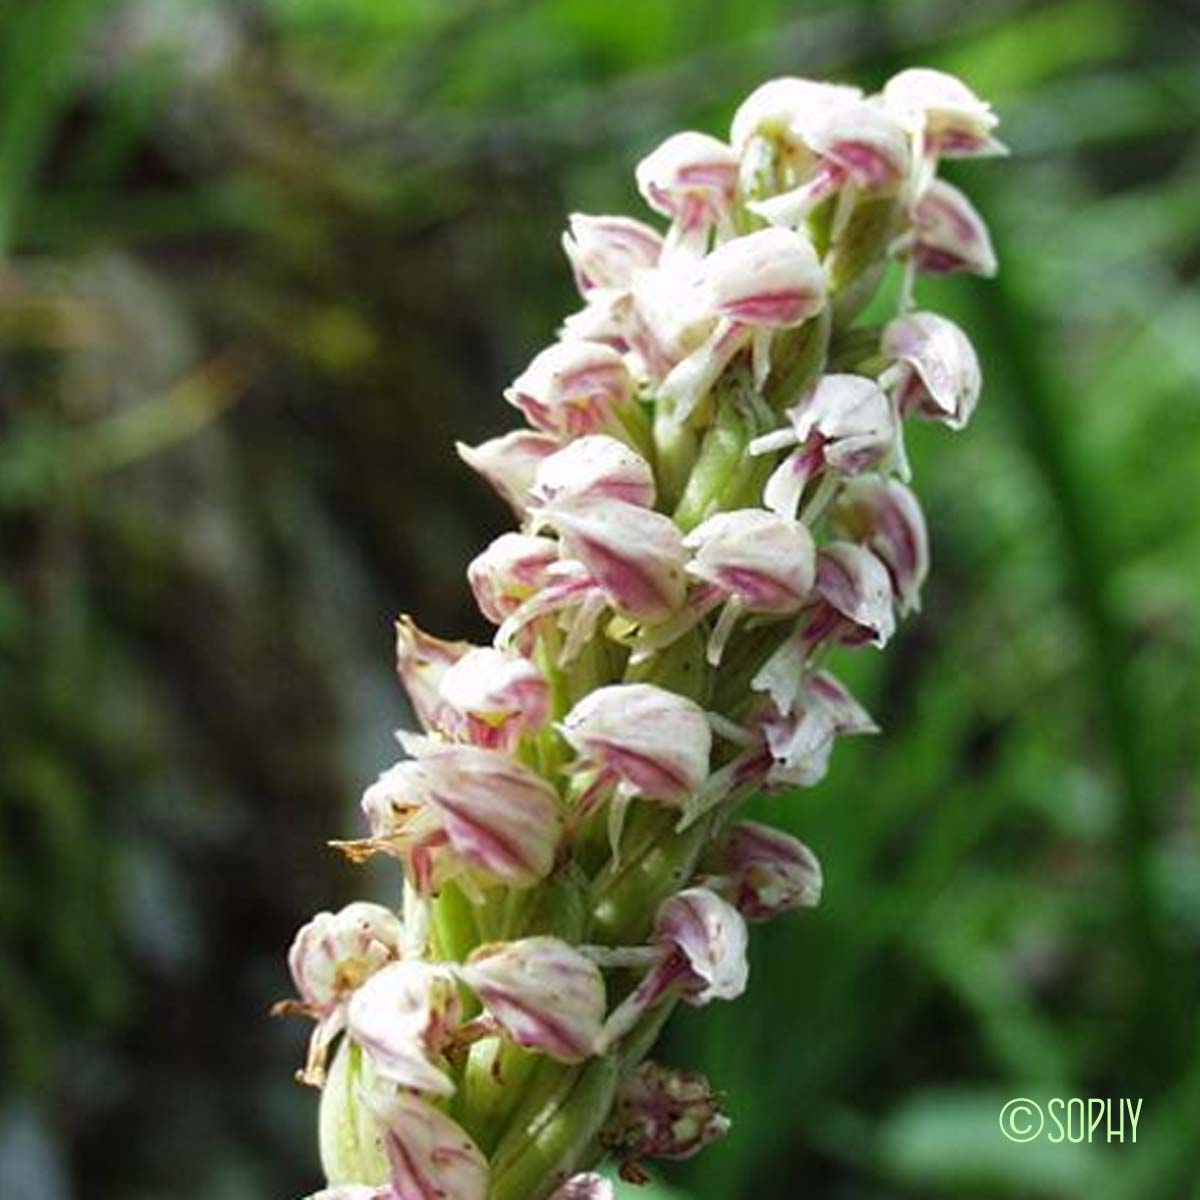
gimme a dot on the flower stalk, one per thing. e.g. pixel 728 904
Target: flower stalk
pixel 712 498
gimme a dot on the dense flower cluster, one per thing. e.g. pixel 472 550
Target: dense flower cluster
pixel 712 493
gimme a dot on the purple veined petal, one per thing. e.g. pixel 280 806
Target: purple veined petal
pixel 868 145
pixel 667 316
pixel 572 388
pixel 515 567
pixel 431 1156
pixel 502 820
pixel 801 745
pixel 855 585
pixel 605 251
pixel 462 812
pixel 943 380
pixel 768 871
pixel 498 697
pixel 711 936
pixel 771 278
pixel 949 236
pixel 885 516
pixel 810 709
pixel 421 661
pixel 335 953
pixel 595 468
pixel 853 419
pixel 781 109
pixel 657 743
pixel 604 318
pixel 767 561
pixel 403 1018
pixel 952 120
pixel 826 690
pixel 691 178
pixel 588 1186
pixel 509 463
pixel 543 994
pixel 635 555
pixel 703 942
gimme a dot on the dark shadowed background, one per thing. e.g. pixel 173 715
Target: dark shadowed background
pixel 261 263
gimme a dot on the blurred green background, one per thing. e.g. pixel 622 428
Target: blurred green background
pixel 261 262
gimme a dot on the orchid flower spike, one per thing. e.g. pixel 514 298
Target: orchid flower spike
pixel 708 507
